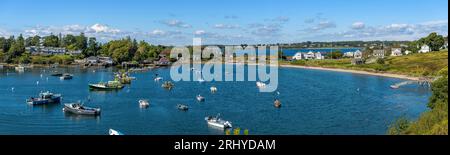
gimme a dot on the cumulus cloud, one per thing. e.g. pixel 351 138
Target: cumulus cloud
pixel 395 31
pixel 99 28
pixel 358 25
pixel 200 32
pixel 176 23
pixel 226 26
pixel 323 25
pixel 162 33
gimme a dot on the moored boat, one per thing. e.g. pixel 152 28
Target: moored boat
pixel 168 85
pixel 277 103
pixel 213 89
pixel 113 132
pixel 217 122
pixel 260 84
pixel 19 68
pixel 158 79
pixel 200 98
pixel 182 107
pixel 110 85
pixel 45 98
pixel 144 103
pixel 79 109
pixel 66 77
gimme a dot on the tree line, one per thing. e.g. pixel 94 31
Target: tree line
pixel 12 49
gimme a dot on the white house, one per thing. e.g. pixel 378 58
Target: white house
pixel 408 52
pixel 349 54
pixel 425 49
pixel 319 56
pixel 396 52
pixel 297 56
pixel 358 54
pixel 378 53
pixel 310 55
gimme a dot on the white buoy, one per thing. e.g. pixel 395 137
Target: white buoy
pixel 42 75
pixel 12 89
pixel 37 82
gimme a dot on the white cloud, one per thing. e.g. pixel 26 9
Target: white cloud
pixel 225 26
pixel 200 32
pixel 323 25
pixel 176 23
pixel 396 31
pixel 99 28
pixel 358 25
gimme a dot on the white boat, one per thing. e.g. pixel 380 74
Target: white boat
pixel 394 87
pixel 260 84
pixel 201 80
pixel 158 79
pixel 144 103
pixel 200 98
pixel 213 89
pixel 115 132
pixel 19 68
pixel 217 122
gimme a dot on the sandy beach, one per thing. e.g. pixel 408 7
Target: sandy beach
pixel 356 72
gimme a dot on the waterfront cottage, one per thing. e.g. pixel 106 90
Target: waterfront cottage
pixel 379 53
pixel 358 54
pixel 348 54
pixel 319 56
pixel 297 56
pixel 396 52
pixel 309 55
pixel 92 60
pixel 425 49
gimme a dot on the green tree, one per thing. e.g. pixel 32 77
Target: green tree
pixel 92 47
pixel 143 52
pixel 51 41
pixel 434 40
pixel 336 54
pixel 81 42
pixel 17 48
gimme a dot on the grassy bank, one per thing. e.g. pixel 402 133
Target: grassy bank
pixel 417 65
pixel 435 120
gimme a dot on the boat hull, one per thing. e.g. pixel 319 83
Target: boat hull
pixel 92 112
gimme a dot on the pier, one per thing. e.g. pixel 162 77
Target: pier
pixel 424 82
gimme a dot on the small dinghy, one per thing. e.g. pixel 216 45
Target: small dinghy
pixel 213 89
pixel 201 80
pixel 157 79
pixel 144 103
pixel 79 109
pixel 66 77
pixel 277 103
pixel 200 98
pixel 217 122
pixel 394 87
pixel 167 85
pixel 260 84
pixel 182 107
pixel 113 132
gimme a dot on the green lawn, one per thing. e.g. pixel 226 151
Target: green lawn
pixel 427 64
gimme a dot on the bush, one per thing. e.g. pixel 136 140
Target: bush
pixel 380 61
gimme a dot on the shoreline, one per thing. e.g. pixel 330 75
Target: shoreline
pixel 398 76
pixel 391 75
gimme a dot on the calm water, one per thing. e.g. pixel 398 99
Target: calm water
pixel 314 102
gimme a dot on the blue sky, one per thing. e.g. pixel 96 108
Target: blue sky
pixel 227 21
